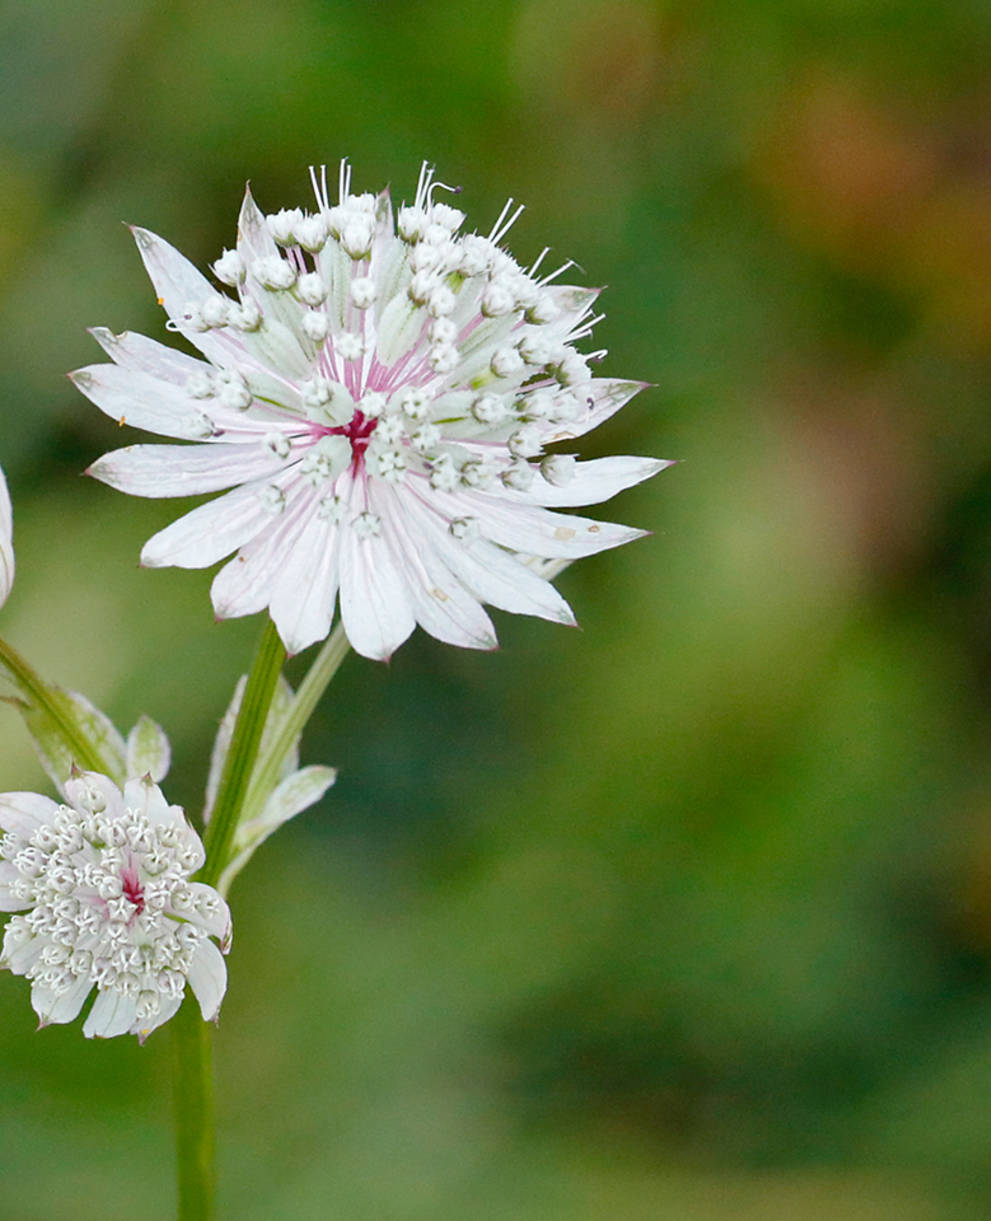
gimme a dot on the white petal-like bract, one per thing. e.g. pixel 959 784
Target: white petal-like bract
pixel 380 394
pixel 6 541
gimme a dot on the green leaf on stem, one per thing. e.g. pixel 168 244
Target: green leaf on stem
pixel 66 728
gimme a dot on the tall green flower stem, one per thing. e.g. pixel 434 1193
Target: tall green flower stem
pixel 191 1035
pixel 248 777
pixel 192 1073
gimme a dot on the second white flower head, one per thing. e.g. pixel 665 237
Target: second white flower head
pixel 103 880
pixel 379 394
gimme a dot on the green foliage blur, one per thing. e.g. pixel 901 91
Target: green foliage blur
pixel 685 915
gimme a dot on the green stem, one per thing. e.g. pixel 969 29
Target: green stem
pixel 50 701
pixel 191 1035
pixel 325 666
pixel 193 1077
pixel 242 754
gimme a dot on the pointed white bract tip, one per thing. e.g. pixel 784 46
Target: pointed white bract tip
pixel 148 752
pixel 6 541
pixel 147 559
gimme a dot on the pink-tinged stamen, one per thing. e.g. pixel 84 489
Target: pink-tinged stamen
pixel 378 376
pixel 399 372
pixel 353 381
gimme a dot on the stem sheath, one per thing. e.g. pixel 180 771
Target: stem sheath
pixel 325 666
pixel 242 755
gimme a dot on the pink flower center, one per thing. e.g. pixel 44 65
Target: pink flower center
pixel 132 888
pixel 358 431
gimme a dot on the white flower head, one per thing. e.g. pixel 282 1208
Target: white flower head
pixel 6 541
pixel 103 882
pixel 463 354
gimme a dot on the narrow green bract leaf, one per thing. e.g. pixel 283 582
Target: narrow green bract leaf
pixel 67 729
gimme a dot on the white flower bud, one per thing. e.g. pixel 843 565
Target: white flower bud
pixel 490 409
pixel 362 292
pixel 282 225
pixel 465 529
pixel 311 289
pixel 311 233
pixel 410 222
pixel 246 316
pixel 506 362
pixel 316 326
pixel 525 442
pixel 229 268
pixel 274 273
pixel 497 300
pixel 518 475
pixel 443 358
pixel 356 237
pixel 558 469
pixel 441 301
pixel 349 346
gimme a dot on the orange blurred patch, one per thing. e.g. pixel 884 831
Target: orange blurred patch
pixel 846 173
pixel 607 58
pixel 854 448
pixel 889 198
pixel 971 894
pixel 947 256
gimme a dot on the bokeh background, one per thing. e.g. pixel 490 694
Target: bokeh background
pixel 686 915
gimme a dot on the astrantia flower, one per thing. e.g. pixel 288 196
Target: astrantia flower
pixel 104 883
pixel 379 393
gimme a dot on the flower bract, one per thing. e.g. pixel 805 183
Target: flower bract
pixel 378 390
pixel 6 541
pixel 103 882
pixel 275 794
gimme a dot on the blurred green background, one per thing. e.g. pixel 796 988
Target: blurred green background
pixel 686 915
